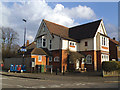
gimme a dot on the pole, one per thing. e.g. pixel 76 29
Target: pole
pixel 24 35
pixel 24 31
pixel 24 39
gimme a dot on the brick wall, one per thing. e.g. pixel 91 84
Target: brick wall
pixel 55 64
pixel 113 51
pixel 99 64
pixel 90 67
pixel 64 60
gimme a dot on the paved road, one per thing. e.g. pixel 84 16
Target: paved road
pixel 17 82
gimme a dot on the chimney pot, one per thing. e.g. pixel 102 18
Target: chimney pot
pixel 113 38
pixel 27 43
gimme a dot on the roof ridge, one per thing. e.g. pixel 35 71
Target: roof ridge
pixel 87 23
pixel 55 23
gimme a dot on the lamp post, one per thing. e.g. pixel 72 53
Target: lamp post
pixel 24 31
pixel 23 50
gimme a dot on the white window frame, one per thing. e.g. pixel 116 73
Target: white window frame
pixel 102 40
pixel 87 57
pixel 58 59
pixel 72 43
pixel 50 59
pixel 39 58
pixel 43 42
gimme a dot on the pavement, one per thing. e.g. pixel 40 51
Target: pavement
pixel 71 77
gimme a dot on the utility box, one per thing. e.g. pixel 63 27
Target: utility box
pixel 42 68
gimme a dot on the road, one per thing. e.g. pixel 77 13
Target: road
pixel 17 82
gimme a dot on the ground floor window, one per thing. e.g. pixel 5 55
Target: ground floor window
pixel 50 59
pixel 88 59
pixel 39 58
pixel 56 59
pixel 105 57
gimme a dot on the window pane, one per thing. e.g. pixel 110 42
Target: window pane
pixel 86 44
pixel 50 59
pixel 40 58
pixel 56 59
pixel 89 59
pixel 44 42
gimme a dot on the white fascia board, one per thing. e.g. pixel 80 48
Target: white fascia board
pixel 38 30
pixel 37 55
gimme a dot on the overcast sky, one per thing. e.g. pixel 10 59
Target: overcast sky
pixel 64 13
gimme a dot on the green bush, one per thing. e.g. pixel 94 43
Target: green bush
pixel 109 66
pixel 118 65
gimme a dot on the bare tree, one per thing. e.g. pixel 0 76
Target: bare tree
pixel 9 42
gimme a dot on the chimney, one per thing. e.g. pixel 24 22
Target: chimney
pixel 27 43
pixel 113 38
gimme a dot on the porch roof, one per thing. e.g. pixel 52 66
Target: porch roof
pixel 40 51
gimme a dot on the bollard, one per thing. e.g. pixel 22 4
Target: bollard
pixel 51 70
pixel 63 70
pixel 56 70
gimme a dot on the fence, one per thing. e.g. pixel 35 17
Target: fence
pixel 18 61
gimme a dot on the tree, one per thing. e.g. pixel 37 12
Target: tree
pixel 9 42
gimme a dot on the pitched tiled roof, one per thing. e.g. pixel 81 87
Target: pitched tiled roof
pixel 84 31
pixel 40 51
pixel 31 45
pixel 57 29
pixel 114 41
pixel 75 33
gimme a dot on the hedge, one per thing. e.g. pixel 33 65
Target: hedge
pixel 109 66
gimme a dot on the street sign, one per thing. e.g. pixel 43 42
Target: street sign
pixel 33 64
pixel 23 50
pixel 48 66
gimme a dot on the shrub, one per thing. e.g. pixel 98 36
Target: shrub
pixel 109 66
pixel 118 65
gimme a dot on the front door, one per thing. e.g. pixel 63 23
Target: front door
pixel 77 64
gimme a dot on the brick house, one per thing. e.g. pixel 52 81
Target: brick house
pixel 89 40
pixel 114 50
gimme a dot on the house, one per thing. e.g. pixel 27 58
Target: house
pixel 40 55
pixel 114 50
pixel 89 40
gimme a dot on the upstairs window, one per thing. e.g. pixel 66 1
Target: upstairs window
pixel 56 59
pixel 104 41
pixel 39 42
pixel 44 42
pixel 50 59
pixel 72 44
pixel 86 43
pixel 50 44
pixel 88 59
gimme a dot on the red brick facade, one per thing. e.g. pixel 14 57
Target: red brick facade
pixel 55 64
pixel 96 60
pixel 90 67
pixel 63 61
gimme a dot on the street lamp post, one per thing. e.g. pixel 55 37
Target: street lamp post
pixel 24 40
pixel 24 31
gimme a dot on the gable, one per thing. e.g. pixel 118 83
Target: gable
pixel 102 29
pixel 43 30
pixel 56 29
